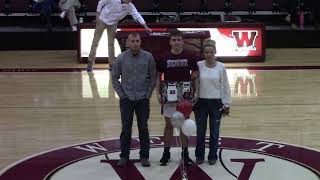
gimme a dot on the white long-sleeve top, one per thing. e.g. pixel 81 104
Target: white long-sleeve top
pixel 214 82
pixel 112 11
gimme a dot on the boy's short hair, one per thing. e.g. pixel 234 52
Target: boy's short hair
pixel 134 34
pixel 175 32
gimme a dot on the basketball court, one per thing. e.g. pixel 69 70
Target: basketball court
pixel 50 103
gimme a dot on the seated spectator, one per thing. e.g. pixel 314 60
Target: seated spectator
pixel 68 9
pixel 292 16
pixel 45 8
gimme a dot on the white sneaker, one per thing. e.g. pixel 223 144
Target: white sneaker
pixel 74 28
pixel 63 14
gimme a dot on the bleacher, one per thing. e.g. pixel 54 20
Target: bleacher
pixel 259 10
pixel 16 16
pixel 20 6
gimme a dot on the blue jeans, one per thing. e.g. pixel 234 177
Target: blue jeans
pixel 45 7
pixel 142 110
pixel 204 108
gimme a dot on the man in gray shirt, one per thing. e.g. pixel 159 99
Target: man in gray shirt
pixel 137 71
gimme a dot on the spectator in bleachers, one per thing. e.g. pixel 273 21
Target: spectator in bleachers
pixel 45 8
pixel 292 16
pixel 68 8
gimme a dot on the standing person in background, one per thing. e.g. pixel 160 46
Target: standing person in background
pixel 214 100
pixel 137 70
pixel 68 7
pixel 109 13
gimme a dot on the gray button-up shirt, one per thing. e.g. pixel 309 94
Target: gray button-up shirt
pixel 134 77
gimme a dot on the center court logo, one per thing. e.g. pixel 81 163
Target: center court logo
pixel 239 159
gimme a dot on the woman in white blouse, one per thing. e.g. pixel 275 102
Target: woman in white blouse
pixel 214 101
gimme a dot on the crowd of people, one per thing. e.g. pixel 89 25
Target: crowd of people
pixel 135 74
pixel 140 73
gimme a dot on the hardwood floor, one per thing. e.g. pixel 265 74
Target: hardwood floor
pixel 45 110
